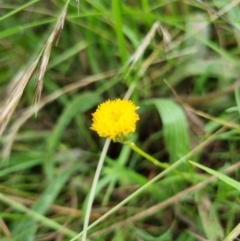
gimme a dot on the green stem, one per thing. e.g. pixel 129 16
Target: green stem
pixel 93 190
pixel 144 154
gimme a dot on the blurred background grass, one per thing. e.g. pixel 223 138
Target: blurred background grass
pixel 61 65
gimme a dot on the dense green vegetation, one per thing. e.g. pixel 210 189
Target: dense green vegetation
pixel 178 61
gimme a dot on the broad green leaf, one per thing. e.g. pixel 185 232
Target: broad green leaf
pixel 175 127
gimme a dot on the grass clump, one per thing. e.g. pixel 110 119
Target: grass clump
pixel 177 61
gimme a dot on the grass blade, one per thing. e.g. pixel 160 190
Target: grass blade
pixel 224 178
pixel 26 229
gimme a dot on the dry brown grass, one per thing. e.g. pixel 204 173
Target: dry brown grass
pixel 36 67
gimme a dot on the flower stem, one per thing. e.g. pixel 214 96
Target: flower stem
pixel 93 189
pixel 144 154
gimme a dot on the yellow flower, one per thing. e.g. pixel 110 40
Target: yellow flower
pixel 115 119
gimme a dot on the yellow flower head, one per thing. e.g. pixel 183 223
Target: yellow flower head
pixel 115 119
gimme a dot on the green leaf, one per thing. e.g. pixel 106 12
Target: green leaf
pixel 221 176
pixel 175 127
pixel 80 104
pixel 26 229
pixel 233 234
